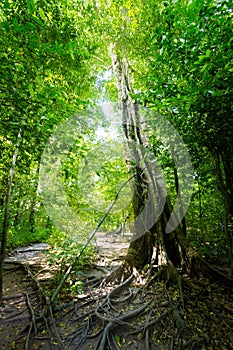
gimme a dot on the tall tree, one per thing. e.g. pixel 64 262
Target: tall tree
pixel 153 36
pixel 148 183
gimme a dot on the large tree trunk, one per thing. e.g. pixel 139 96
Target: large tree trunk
pixel 149 187
pixel 150 200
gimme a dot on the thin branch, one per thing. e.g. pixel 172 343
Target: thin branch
pixel 102 61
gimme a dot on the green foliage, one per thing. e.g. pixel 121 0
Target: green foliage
pixel 18 237
pixel 54 60
pixel 20 232
pixel 93 172
pixel 44 78
pixel 62 254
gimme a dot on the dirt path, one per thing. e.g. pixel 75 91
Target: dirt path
pixel 112 245
pixel 20 292
pixel 15 280
pixel 111 248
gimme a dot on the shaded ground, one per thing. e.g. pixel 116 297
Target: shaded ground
pixel 139 312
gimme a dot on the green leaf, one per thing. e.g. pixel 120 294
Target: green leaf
pixel 15 23
pixel 208 52
pixel 187 107
pixel 30 88
pixel 31 25
pixel 117 339
pixel 38 21
pixel 31 6
pixel 42 14
pixel 202 57
pixel 204 67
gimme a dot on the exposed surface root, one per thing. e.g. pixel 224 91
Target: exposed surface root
pixel 124 310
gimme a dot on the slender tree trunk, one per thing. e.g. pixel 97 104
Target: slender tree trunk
pixel 183 222
pixel 6 214
pixel 34 199
pixel 225 182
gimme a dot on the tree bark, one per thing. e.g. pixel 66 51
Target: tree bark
pixel 149 186
pixel 6 214
pixel 183 222
pixel 225 183
pixel 34 200
pixel 150 200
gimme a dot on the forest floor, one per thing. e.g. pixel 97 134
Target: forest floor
pixel 137 312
